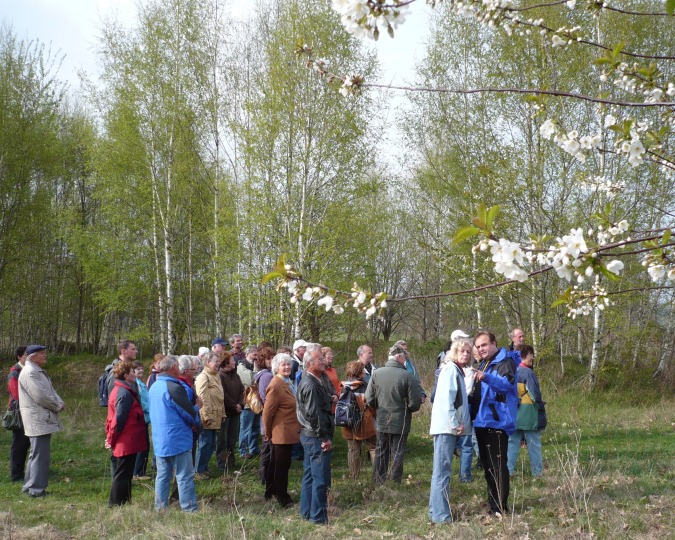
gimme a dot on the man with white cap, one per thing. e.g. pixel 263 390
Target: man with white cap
pixel 299 348
pixel 40 405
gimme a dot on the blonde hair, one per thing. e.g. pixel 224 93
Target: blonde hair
pixel 457 346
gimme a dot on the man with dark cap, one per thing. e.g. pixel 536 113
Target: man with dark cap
pixel 218 346
pixel 39 404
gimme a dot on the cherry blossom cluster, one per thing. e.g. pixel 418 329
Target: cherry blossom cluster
pixel 331 300
pixel 659 265
pixel 570 256
pixel 367 17
pixel 600 184
pixel 583 302
pixel 570 142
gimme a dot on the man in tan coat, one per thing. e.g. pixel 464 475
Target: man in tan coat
pixel 40 405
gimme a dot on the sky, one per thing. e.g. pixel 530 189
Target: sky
pixel 71 26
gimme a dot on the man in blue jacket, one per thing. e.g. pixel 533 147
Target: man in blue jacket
pixel 173 417
pixel 496 398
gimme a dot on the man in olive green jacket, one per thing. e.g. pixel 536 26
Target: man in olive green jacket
pixel 395 393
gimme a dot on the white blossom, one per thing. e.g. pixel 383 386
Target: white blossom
pixel 615 266
pixel 326 301
pixel 656 271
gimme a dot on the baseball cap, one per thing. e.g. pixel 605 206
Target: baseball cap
pixel 220 341
pixel 299 343
pixel 458 334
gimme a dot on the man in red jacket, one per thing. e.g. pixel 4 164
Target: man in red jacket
pixel 20 443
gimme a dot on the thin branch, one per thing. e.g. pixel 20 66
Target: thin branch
pixel 638 251
pixel 640 289
pixel 491 90
pixel 637 13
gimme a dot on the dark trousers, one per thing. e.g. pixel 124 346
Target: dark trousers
pixel 276 481
pixel 37 469
pixel 389 446
pixel 265 456
pixel 120 489
pixel 493 445
pixel 18 454
pixel 227 442
pixel 141 464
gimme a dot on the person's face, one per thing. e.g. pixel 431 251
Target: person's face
pixel 329 358
pixel 476 356
pixel 486 348
pixel 464 357
pixel 39 358
pixel 229 366
pixel 300 352
pixel 318 364
pixel 518 337
pixel 528 360
pixel 218 348
pixel 237 343
pixel 404 346
pixel 139 372
pixel 213 363
pixel 130 352
pixel 366 356
pixel 268 362
pixel 131 376
pixel 284 369
pixel 252 357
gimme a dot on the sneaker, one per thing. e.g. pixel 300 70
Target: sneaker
pixel 202 476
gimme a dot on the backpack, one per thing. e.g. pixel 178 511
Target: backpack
pixel 347 411
pixel 103 386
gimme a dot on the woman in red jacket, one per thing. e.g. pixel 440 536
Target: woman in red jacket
pixel 125 431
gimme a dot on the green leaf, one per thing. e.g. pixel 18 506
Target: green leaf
pixel 617 50
pixel 559 302
pixel 666 237
pixel 270 276
pixel 609 275
pixel 464 233
pixel 491 215
pixel 670 7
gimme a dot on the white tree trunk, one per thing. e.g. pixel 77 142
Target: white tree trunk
pixel 476 300
pixel 595 353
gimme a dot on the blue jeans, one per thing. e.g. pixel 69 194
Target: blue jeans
pixel 533 439
pixel 439 496
pixel 182 466
pixel 465 446
pixel 206 445
pixel 315 480
pixel 249 430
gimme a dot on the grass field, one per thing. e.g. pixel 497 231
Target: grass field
pixel 609 461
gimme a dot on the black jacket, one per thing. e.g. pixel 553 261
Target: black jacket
pixel 314 405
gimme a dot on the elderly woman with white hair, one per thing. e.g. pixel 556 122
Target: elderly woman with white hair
pixel 281 428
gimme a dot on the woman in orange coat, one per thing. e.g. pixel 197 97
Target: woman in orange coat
pixel 365 431
pixel 281 428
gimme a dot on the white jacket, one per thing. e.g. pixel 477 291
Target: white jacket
pixel 39 402
pixel 445 417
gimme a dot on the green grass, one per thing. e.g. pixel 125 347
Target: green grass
pixel 608 474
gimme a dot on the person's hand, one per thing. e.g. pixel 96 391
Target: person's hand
pixel 199 402
pixel 327 445
pixel 460 429
pixel 63 407
pixel 479 375
pixel 424 398
pixel 107 445
pixel 239 409
pixel 265 438
pixel 335 398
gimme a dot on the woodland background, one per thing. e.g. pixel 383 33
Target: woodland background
pixel 149 203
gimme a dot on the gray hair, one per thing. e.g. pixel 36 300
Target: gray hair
pixel 360 350
pixel 250 349
pixel 211 356
pixel 168 363
pixel 311 347
pixel 184 363
pixel 236 335
pixel 457 346
pixel 280 359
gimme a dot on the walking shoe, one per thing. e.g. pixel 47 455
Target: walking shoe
pixel 142 478
pixel 202 476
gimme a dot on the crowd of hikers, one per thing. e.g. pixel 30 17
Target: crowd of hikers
pixel 279 405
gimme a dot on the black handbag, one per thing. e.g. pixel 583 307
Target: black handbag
pixel 542 420
pixel 12 420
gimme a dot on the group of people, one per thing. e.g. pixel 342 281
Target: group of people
pixel 496 403
pixel 198 406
